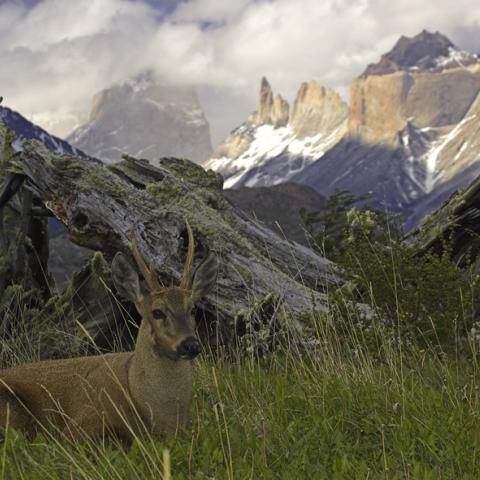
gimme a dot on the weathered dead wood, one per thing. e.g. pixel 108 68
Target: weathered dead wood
pixel 100 204
pixel 455 226
pixel 23 237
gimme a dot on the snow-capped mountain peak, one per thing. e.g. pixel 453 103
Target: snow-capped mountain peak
pixel 411 134
pixel 424 52
pixel 274 144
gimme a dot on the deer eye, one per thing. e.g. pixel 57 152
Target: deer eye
pixel 158 314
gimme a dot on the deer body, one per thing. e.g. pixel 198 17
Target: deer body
pixel 66 395
pixel 147 391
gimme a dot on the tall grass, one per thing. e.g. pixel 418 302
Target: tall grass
pixel 356 398
pixel 322 411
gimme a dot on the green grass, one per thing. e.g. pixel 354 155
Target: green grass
pixel 311 415
pixel 391 393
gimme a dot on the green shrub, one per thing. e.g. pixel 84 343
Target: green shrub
pixel 426 301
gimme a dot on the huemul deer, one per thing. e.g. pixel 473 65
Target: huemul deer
pixel 119 395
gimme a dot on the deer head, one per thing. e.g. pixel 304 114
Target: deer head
pixel 167 311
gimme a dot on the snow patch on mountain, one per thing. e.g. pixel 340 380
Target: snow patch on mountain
pixel 431 157
pixel 271 143
pixel 460 152
pixel 457 57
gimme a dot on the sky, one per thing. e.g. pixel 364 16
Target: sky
pixel 56 54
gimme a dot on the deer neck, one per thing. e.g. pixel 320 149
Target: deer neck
pixel 160 387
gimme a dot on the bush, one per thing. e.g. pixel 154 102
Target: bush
pixel 427 300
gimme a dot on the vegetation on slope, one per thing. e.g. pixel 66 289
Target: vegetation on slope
pixel 426 300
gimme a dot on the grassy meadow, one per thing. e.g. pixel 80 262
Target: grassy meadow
pixel 387 391
pixel 328 411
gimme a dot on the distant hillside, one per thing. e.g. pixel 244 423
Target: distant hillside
pixel 278 207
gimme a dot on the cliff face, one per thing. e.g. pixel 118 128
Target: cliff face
pixel 381 105
pixel 144 119
pixel 317 109
pixel 424 80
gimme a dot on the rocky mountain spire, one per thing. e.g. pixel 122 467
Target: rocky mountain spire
pixel 271 111
pixel 277 144
pixel 266 102
pixel 281 111
pixel 317 109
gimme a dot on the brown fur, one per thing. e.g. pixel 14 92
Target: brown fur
pixel 118 395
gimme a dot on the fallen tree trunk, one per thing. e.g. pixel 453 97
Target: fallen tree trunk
pixel 100 204
pixel 454 227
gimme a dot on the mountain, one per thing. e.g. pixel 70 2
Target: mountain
pixel 410 134
pixel 412 178
pixel 278 207
pixel 409 84
pixel 23 128
pixel 412 130
pixel 426 51
pixel 276 143
pixel 147 120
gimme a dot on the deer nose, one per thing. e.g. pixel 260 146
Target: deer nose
pixel 190 348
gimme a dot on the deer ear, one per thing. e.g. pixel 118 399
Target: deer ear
pixel 204 278
pixel 125 278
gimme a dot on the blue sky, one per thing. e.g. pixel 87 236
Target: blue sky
pixel 56 54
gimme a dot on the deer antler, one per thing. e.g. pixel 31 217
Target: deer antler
pixel 186 280
pixel 148 273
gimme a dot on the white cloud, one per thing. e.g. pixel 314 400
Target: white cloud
pixel 55 56
pixel 54 21
pixel 209 10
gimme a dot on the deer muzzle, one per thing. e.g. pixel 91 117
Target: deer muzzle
pixel 189 348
